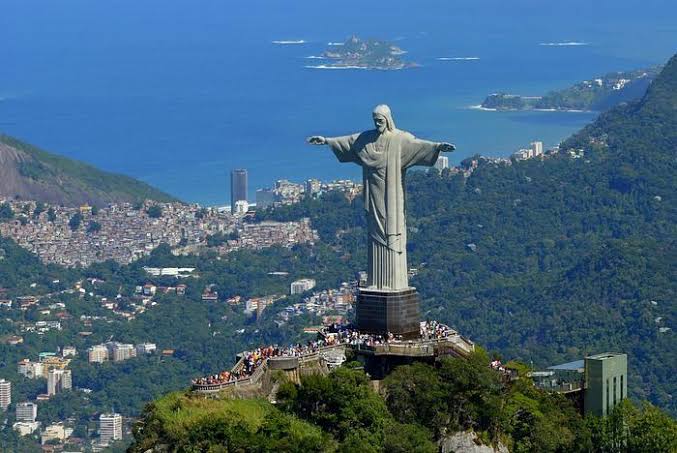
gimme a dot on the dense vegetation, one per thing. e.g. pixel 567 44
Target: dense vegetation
pixel 418 405
pixel 549 260
pixel 45 176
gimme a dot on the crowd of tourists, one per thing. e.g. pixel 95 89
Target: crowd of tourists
pixel 252 360
pixel 434 330
pixel 336 334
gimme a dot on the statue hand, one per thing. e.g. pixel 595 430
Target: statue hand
pixel 446 147
pixel 317 140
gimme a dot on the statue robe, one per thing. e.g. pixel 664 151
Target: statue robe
pixel 384 159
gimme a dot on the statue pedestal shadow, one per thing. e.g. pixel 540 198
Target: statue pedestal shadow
pixel 381 311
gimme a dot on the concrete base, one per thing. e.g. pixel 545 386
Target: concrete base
pixel 380 311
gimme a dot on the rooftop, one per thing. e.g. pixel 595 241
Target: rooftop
pixel 577 365
pixel 605 355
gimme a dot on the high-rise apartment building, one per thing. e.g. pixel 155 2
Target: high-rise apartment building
pixel 110 428
pixel 5 394
pixel 313 187
pixel 58 380
pixel 537 148
pixel 238 186
pixel 26 412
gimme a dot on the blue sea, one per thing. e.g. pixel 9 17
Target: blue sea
pixel 178 93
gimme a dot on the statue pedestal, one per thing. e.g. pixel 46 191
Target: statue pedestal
pixel 382 311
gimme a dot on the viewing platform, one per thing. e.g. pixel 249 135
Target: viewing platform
pixel 379 353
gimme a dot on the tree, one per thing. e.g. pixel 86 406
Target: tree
pixel 75 221
pixel 154 212
pixel 51 214
pixel 6 212
pixel 39 209
pixel 93 227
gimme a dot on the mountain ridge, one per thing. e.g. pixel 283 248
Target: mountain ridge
pixel 30 173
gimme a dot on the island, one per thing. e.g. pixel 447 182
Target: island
pixel 364 54
pixel 598 94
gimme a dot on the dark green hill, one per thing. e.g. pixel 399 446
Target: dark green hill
pixel 549 260
pixel 30 173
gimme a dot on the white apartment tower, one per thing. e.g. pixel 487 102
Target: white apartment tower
pixel 537 148
pixel 26 412
pixel 110 428
pixel 58 381
pixel 5 394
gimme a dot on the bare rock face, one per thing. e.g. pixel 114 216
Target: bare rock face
pixel 16 182
pixel 468 442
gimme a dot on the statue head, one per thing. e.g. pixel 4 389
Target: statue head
pixel 383 119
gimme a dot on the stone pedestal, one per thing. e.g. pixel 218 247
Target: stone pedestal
pixel 381 311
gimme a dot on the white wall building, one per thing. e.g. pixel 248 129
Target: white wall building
pixel 56 431
pixel 241 207
pixel 58 381
pixel 26 412
pixel 5 394
pixel 69 351
pixel 26 428
pixel 301 286
pixel 110 428
pixel 122 351
pixel 32 370
pixel 537 148
pixel 97 354
pixel 145 348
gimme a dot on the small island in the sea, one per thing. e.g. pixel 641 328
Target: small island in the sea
pixel 598 94
pixel 365 54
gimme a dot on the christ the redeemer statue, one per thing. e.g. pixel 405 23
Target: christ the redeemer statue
pixel 384 154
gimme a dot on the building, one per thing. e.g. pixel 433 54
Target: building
pixel 97 354
pixel 313 187
pixel 442 163
pixel 69 351
pixel 26 428
pixel 56 431
pixel 145 348
pixel 32 370
pixel 238 187
pixel 5 394
pixel 606 382
pixel 301 286
pixel 26 412
pixel 241 207
pixel 264 198
pixel 121 351
pixel 110 428
pixel 537 148
pixel 58 380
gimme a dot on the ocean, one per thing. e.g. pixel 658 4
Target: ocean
pixel 178 93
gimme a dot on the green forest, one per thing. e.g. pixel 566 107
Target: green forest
pixel 417 407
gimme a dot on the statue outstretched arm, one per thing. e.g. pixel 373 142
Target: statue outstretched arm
pixel 341 146
pixel 416 151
